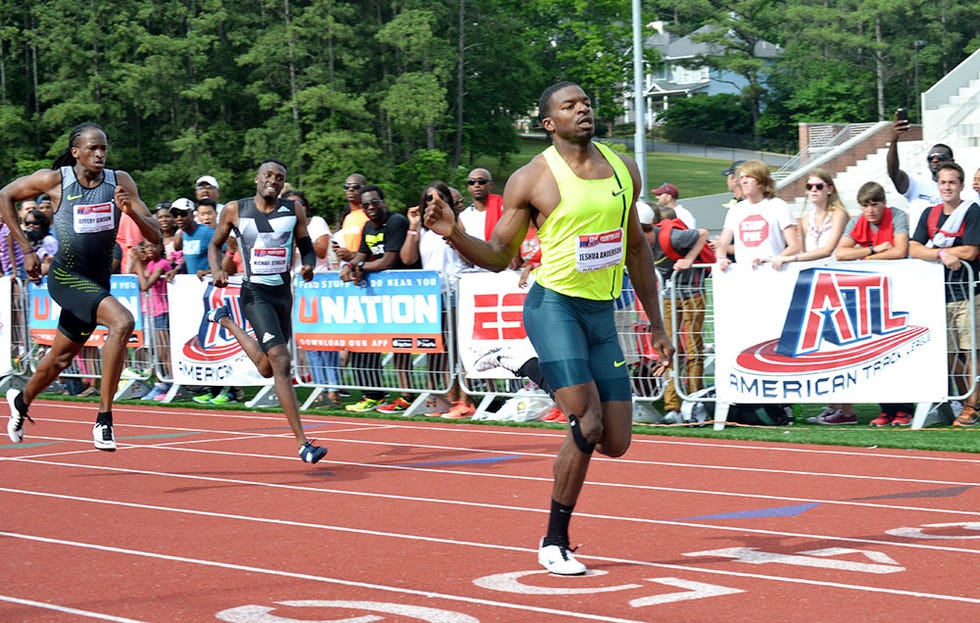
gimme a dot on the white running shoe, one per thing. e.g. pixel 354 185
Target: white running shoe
pixel 15 425
pixel 497 357
pixel 104 437
pixel 558 559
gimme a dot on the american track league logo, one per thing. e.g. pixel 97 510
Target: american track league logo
pixel 214 343
pixel 841 329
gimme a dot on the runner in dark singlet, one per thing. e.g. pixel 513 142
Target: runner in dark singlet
pixel 89 201
pixel 266 227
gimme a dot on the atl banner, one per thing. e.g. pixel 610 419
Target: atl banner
pixel 831 332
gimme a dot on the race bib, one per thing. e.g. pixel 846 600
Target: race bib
pixel 269 261
pixel 94 218
pixel 598 251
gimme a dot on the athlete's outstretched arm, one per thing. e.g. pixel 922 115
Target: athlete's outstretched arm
pixel 508 234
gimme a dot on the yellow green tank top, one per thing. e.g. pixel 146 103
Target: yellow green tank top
pixel 583 240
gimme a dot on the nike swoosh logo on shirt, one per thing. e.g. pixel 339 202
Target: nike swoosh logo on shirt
pixel 619 192
pixel 619 364
pixel 73 197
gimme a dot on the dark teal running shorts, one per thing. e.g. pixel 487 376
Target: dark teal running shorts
pixel 577 342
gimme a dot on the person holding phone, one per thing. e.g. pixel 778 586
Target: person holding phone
pixel 920 192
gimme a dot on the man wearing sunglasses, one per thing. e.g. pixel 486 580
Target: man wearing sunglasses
pixel 921 193
pixel 480 217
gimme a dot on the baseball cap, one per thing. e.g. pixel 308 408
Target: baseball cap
pixel 207 179
pixel 182 205
pixel 668 188
pixel 42 198
pixel 731 170
pixel 645 212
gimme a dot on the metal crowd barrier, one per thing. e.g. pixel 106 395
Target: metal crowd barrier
pixel 425 378
pixel 693 366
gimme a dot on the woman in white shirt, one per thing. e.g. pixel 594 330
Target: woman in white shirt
pixel 760 225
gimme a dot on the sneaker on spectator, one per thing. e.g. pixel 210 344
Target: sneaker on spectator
pixel 836 418
pixel 395 406
pixel 558 559
pixel 459 411
pixel 104 437
pixel 203 399
pixel 956 406
pixel 131 374
pixel 15 425
pixel 815 419
pixel 967 417
pixel 555 415
pixel 902 419
pixel 223 398
pixel 883 419
pixel 365 404
pixel 310 453
pixel 152 394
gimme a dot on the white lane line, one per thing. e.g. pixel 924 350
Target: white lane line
pixel 431 594
pixel 741 530
pixel 320 578
pixel 700 465
pixel 66 610
pixel 473 474
pixel 720 444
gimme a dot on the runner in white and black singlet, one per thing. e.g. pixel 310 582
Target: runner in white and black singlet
pixel 89 201
pixel 266 227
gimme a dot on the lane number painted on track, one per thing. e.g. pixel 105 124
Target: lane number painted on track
pixel 939 531
pixel 264 614
pixel 828 558
pixel 511 583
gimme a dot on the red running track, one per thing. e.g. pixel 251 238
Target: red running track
pixel 210 516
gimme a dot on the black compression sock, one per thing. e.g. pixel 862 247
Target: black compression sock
pixel 104 418
pixel 532 370
pixel 558 521
pixel 19 404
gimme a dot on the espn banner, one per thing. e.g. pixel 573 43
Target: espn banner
pixel 490 314
pixel 822 332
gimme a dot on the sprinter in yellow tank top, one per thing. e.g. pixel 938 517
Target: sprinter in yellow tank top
pixel 582 198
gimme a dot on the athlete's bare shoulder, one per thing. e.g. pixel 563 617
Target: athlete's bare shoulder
pixel 532 187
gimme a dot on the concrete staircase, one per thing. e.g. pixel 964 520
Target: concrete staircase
pixel 951 115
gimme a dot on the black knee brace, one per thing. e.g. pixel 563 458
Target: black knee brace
pixel 583 444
